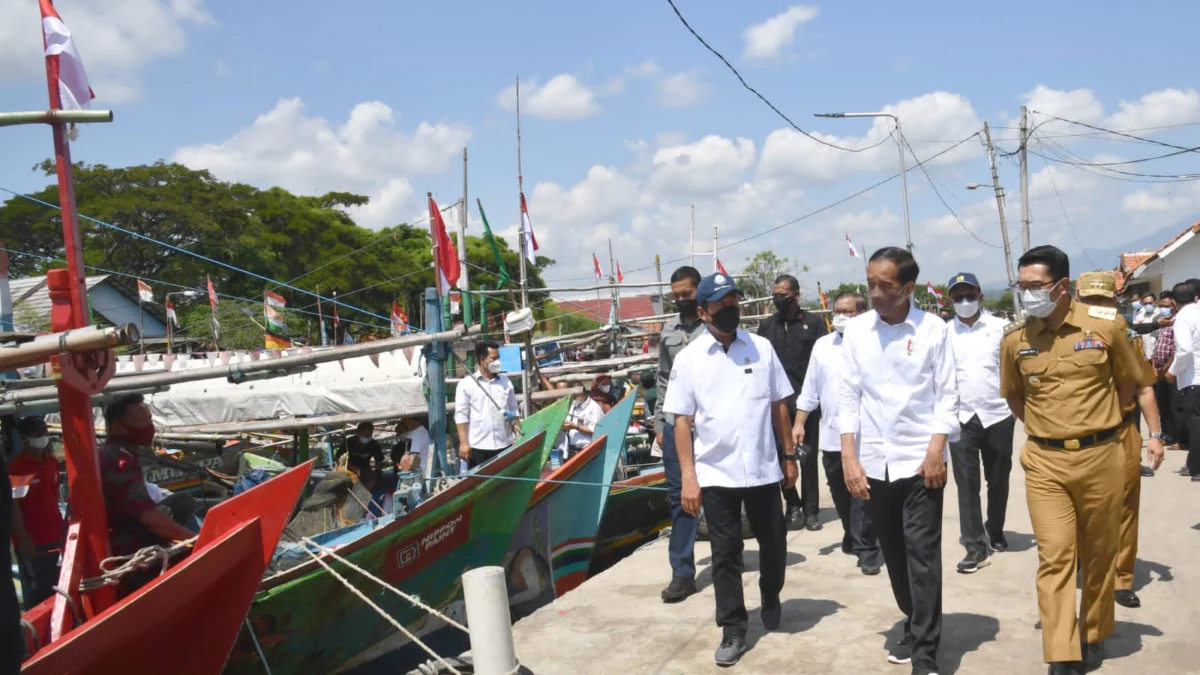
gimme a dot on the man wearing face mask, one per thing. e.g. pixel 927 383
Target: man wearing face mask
pixel 38 532
pixel 793 332
pixel 134 520
pixel 582 417
pixel 1061 371
pixel 820 389
pixel 897 408
pixel 677 333
pixel 729 393
pixel 986 424
pixel 484 403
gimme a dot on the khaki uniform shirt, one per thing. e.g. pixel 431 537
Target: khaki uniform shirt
pixel 1068 377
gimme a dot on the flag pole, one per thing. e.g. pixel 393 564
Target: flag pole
pixel 141 325
pixel 521 191
pixel 615 310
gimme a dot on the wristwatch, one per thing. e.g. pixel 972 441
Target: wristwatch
pixel 1156 435
pixel 792 457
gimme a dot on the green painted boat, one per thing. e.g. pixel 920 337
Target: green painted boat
pixel 633 517
pixel 306 621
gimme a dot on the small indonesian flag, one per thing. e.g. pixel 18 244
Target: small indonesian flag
pixel 596 264
pixel 531 245
pixel 212 294
pixel 443 249
pixel 171 316
pixel 721 268
pixel 145 293
pixel 941 301
pixel 336 322
pixel 620 275
pixel 63 62
pixel 853 253
pixel 399 320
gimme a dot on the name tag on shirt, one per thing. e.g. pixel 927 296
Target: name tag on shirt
pixel 1089 343
pixel 1032 351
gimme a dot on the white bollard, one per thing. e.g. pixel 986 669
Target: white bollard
pixel 489 622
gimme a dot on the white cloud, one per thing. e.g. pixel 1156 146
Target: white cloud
pixel 1068 184
pixel 938 115
pixel 116 39
pixel 712 164
pixel 767 40
pixel 1157 109
pixel 309 155
pixel 682 90
pixel 563 97
pixel 1080 105
pixel 647 68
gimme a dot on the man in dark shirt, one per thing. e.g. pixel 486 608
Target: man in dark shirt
pixel 363 447
pixel 11 635
pixel 792 332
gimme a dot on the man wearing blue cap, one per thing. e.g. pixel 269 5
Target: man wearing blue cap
pixel 987 424
pixel 729 395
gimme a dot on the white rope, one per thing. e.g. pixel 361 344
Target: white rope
pixel 143 558
pixel 413 599
pixel 379 610
pixel 254 638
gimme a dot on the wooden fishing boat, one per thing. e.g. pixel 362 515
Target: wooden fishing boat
pixel 633 516
pixel 552 547
pixel 304 620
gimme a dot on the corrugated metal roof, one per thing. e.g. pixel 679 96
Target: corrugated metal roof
pixel 32 298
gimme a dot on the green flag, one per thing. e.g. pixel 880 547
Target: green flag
pixel 491 240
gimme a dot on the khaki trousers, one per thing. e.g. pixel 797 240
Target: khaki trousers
pixel 1131 441
pixel 1074 499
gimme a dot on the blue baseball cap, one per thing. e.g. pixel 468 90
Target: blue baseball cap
pixel 714 287
pixel 963 278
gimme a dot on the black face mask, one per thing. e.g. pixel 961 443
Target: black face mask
pixel 726 320
pixel 687 308
pixel 783 303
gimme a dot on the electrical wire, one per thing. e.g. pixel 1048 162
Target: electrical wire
pixel 754 91
pixel 1066 217
pixel 1105 171
pixel 1116 133
pixel 942 199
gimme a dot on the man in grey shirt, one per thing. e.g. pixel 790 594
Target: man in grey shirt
pixel 677 333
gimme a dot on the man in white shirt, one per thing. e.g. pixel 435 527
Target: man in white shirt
pixel 822 385
pixel 582 417
pixel 986 424
pixel 412 438
pixel 729 392
pixel 484 405
pixel 897 409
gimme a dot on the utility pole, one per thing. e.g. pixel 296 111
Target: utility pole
pixel 1008 270
pixel 464 284
pixel 715 261
pixel 692 239
pixel 615 310
pixel 1024 153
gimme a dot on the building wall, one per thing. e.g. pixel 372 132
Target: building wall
pixel 1179 265
pixel 119 310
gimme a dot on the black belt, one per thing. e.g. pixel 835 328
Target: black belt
pixel 1079 443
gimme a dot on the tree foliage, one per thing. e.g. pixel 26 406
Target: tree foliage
pixel 762 270
pixel 309 242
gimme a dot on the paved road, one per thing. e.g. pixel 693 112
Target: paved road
pixel 837 621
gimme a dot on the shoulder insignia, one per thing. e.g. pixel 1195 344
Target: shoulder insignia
pixel 1105 313
pixel 1014 327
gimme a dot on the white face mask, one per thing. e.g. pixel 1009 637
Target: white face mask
pixel 839 322
pixel 1038 303
pixel 494 367
pixel 604 388
pixel 966 308
pixel 39 443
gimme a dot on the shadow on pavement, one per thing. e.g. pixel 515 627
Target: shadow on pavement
pixel 961 634
pixel 1019 542
pixel 1127 639
pixel 800 615
pixel 1144 570
pixel 750 562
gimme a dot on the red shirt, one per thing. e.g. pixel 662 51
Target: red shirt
pixel 39 507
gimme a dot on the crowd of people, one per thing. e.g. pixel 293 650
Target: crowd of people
pixel 892 396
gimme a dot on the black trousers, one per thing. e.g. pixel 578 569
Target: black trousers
pixel 859 536
pixel 479 456
pixel 723 513
pixel 808 498
pixel 1190 404
pixel 11 634
pixel 38 577
pixel 1166 409
pixel 908 518
pixel 993 448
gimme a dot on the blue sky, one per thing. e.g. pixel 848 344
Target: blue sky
pixel 627 120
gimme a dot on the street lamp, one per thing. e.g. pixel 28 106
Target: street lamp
pixel 903 170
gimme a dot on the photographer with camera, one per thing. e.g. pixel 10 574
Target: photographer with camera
pixel 820 392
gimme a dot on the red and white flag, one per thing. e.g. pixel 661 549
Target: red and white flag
pixel 596 264
pixel 212 293
pixel 145 293
pixel 63 62
pixel 336 322
pixel 443 249
pixel 620 276
pixel 531 245
pixel 853 253
pixel 171 316
pixel 399 320
pixel 941 301
pixel 721 268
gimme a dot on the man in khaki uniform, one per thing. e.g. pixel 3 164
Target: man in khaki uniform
pixel 1059 372
pixel 1098 289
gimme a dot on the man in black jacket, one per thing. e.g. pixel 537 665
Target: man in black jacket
pixel 792 332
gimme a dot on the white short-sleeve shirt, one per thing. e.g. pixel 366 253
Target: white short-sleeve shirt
pixel 729 396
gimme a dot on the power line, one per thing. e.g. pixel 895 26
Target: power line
pixel 1117 133
pixel 1063 206
pixel 755 91
pixel 1105 171
pixel 938 192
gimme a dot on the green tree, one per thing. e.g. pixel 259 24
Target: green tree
pixel 761 272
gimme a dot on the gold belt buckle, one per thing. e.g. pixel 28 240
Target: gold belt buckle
pixel 1071 444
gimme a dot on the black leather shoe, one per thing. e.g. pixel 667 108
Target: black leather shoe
pixel 1066 668
pixel 870 569
pixel 998 543
pixel 1146 471
pixel 771 614
pixel 679 590
pixel 795 518
pixel 1093 656
pixel 812 523
pixel 1128 599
